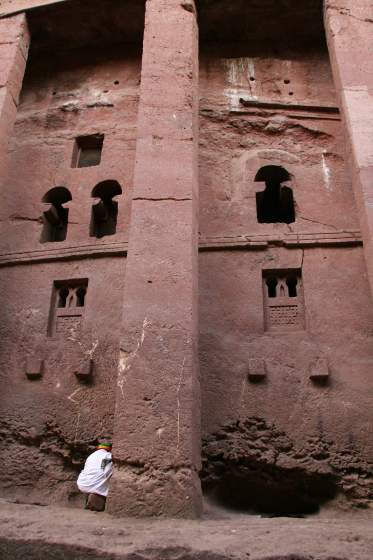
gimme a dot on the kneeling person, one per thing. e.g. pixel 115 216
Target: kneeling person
pixel 94 478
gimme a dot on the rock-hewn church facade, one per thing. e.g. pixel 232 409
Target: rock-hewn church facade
pixel 186 251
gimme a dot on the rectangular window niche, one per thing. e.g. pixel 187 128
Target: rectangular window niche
pixel 283 300
pixel 87 150
pixel 67 308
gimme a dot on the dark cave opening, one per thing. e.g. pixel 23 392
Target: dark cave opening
pixel 266 489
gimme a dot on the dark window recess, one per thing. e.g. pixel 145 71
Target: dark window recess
pixel 105 211
pixel 80 296
pixel 292 283
pixel 62 297
pixel 271 285
pixel 87 150
pixel 55 218
pixel 276 203
pixel 283 300
pixel 67 308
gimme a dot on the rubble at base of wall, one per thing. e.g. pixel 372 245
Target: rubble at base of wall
pixel 251 465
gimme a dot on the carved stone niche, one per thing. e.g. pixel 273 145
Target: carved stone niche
pixel 319 371
pixel 283 300
pixel 84 371
pixel 34 368
pixel 257 370
pixel 67 308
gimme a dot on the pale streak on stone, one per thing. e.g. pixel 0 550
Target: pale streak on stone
pixel 251 69
pixel 77 426
pixel 126 358
pixel 89 353
pixel 327 173
pixel 178 402
pixel 242 394
pixel 239 71
pixel 231 71
pixel 71 397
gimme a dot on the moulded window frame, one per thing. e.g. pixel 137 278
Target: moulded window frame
pixel 55 312
pixel 86 142
pixel 281 274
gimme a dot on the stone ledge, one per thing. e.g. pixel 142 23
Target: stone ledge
pixel 249 242
pixel 291 240
pixel 64 253
pixel 265 107
pixel 307 107
pixel 9 7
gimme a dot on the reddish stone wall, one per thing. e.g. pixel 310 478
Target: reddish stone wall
pixel 49 423
pixel 303 133
pixel 286 390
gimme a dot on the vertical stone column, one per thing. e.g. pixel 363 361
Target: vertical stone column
pixel 157 414
pixel 349 30
pixel 14 43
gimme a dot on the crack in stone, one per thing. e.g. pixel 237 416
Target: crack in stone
pixel 347 12
pixel 161 199
pixel 317 222
pixel 17 218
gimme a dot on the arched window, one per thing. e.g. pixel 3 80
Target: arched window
pixel 276 203
pixel 105 211
pixel 55 218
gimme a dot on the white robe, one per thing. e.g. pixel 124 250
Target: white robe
pixel 94 478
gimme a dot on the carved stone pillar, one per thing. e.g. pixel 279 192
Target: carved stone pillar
pixel 157 415
pixel 14 43
pixel 349 32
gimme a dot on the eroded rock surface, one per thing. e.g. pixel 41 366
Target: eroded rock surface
pixel 252 465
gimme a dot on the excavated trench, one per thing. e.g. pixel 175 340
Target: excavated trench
pixel 37 550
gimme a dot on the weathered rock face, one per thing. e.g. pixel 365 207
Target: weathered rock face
pixel 269 104
pixel 285 308
pixel 251 465
pixel 52 417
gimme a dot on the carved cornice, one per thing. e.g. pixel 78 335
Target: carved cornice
pixel 347 238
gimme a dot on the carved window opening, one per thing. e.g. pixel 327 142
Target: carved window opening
pixel 276 203
pixel 105 211
pixel 55 218
pixel 292 283
pixel 271 286
pixel 67 308
pixel 80 296
pixel 283 300
pixel 62 297
pixel 87 150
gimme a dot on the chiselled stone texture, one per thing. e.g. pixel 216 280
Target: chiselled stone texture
pixel 156 429
pixel 349 32
pixel 14 42
pixel 34 368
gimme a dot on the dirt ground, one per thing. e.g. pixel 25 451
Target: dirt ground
pixel 42 532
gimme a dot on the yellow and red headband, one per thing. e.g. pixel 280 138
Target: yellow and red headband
pixel 105 445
